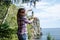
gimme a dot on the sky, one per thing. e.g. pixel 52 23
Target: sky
pixel 48 13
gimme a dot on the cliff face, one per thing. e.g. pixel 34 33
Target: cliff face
pixel 36 27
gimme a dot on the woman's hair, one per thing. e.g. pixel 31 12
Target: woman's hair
pixel 19 21
pixel 19 11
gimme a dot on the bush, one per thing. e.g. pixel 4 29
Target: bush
pixel 49 37
pixel 9 28
pixel 5 31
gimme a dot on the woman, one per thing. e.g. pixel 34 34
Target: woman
pixel 22 21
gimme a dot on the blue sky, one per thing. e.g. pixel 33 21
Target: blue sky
pixel 48 11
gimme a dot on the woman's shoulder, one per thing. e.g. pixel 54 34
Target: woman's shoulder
pixel 24 17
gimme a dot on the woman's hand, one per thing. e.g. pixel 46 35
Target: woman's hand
pixel 28 10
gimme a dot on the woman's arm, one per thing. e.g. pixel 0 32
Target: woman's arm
pixel 28 21
pixel 28 10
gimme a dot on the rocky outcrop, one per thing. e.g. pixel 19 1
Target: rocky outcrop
pixel 35 29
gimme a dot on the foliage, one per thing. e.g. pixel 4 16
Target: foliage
pixel 12 16
pixel 49 37
pixel 12 20
pixel 5 31
pixel 25 1
pixel 29 31
pixel 4 5
pixel 8 30
pixel 5 2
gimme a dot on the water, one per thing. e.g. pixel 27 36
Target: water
pixel 54 32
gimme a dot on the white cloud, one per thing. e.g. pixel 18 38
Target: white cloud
pixel 49 15
pixel 54 11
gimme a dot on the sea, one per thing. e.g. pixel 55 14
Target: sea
pixel 54 33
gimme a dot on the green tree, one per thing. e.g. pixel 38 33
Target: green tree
pixel 5 31
pixel 4 5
